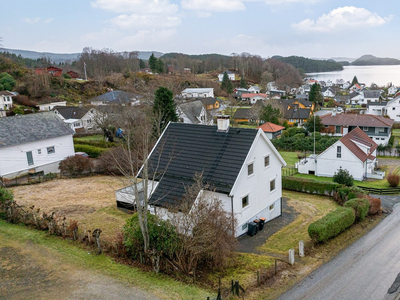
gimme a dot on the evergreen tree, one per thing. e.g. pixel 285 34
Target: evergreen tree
pixel 270 114
pixel 243 83
pixel 164 108
pixel 226 84
pixel 355 80
pixel 309 125
pixel 141 64
pixel 160 66
pixel 153 63
pixel 315 93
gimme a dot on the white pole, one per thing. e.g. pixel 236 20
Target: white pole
pixel 84 66
pixel 314 135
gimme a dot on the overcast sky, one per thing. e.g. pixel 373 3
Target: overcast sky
pixel 311 28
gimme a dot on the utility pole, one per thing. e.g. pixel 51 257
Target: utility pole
pixel 84 67
pixel 314 135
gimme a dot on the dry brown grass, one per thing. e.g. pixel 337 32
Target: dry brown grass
pixel 89 200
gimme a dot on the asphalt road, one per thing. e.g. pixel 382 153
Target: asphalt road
pixel 365 270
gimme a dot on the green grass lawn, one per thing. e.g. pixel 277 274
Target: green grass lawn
pixel 290 157
pixel 91 138
pixel 396 132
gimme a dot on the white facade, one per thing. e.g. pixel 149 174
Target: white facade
pixel 328 93
pixel 231 76
pixel 392 109
pixel 50 106
pixel 202 118
pixel 255 98
pixel 254 89
pixel 6 102
pixel 87 121
pixel 331 160
pixel 46 156
pixel 346 85
pixel 392 90
pixel 377 110
pixel 198 93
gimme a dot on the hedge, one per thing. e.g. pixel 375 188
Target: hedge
pixel 93 152
pixel 360 206
pixel 332 224
pixel 347 193
pixel 100 144
pixel 309 186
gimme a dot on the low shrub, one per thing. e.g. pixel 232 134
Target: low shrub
pixel 374 205
pixel 309 186
pixel 118 161
pixel 332 224
pixel 360 206
pixel 93 151
pixel 393 180
pixel 75 165
pixel 100 144
pixel 343 176
pixel 5 194
pixel 344 194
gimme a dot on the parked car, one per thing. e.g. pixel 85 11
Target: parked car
pixel 84 154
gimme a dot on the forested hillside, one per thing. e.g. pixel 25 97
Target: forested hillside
pixel 307 65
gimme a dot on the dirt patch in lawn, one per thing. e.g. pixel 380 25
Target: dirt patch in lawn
pixel 89 200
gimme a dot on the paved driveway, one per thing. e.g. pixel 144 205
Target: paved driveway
pixel 365 270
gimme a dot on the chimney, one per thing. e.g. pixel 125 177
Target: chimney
pixel 334 112
pixel 223 123
pixel 80 103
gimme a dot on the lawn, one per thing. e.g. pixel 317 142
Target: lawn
pixel 91 138
pixel 396 133
pixel 290 157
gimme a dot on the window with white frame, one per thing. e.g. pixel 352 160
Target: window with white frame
pixel 272 185
pixel 39 151
pixel 245 201
pixel 250 169
pixel 29 157
pixel 266 161
pixel 271 207
pixel 51 150
pixel 339 151
pixel 365 128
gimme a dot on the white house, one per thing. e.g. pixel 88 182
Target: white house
pixel 254 89
pixel 356 98
pixel 77 117
pixel 328 92
pixel 249 186
pixel 50 105
pixel 392 109
pixel 231 76
pixel 116 97
pixel 253 98
pixel 33 143
pixel 346 85
pixel 377 108
pixel 6 101
pixel 340 82
pixel 355 152
pixel 329 83
pixel 194 112
pixel 198 93
pixel 371 96
pixel 392 90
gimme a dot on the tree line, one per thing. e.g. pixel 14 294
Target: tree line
pixel 307 65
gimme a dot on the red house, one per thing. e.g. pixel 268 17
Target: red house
pixel 73 74
pixel 53 71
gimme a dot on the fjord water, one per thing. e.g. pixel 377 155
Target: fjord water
pixel 381 75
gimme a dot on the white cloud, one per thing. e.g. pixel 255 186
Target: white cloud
pixel 213 5
pixel 136 6
pixel 342 19
pixel 136 21
pixel 279 2
pixel 47 21
pixel 31 20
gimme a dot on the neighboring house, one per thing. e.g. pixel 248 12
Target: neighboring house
pixel 6 101
pixel 356 98
pixel 392 109
pixel 254 89
pixel 377 128
pixel 193 112
pixel 276 93
pixel 346 85
pixel 50 105
pixel 340 81
pixel 231 76
pixel 271 130
pixel 299 103
pixel 329 83
pixel 78 118
pixel 301 96
pixel 253 98
pixel 238 92
pixel 33 143
pixel 356 88
pixel 53 71
pixel 355 152
pixel 371 96
pixel 243 115
pixel 117 97
pixel 271 86
pixel 297 115
pixel 342 99
pixel 73 74
pixel 249 186
pixel 210 103
pixel 392 90
pixel 198 93
pixel 186 70
pixel 377 108
pixel 328 92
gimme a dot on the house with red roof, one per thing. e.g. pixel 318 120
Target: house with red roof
pixel 53 71
pixel 254 97
pixel 271 130
pixel 354 152
pixel 377 128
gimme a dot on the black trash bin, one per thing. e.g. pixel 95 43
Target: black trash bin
pixel 251 229
pixel 257 221
pixel 261 224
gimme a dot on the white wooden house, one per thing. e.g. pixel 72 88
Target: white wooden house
pixel 230 74
pixel 392 90
pixel 6 101
pixel 34 143
pixel 50 105
pixel 78 118
pixel 355 152
pixel 249 186
pixel 198 93
pixel 194 112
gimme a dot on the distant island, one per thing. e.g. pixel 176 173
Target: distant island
pixel 370 60
pixel 307 65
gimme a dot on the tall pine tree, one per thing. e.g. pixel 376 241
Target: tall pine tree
pixel 164 109
pixel 355 80
pixel 226 84
pixel 153 63
pixel 243 83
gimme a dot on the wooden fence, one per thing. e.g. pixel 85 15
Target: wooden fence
pixel 289 171
pixel 386 191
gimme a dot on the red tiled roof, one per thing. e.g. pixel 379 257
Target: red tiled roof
pixel 356 120
pixel 270 127
pixel 253 94
pixel 359 136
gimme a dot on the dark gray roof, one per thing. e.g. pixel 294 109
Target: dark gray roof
pixel 301 96
pixel 116 97
pixel 372 93
pixel 297 113
pixel 342 98
pixel 208 100
pixel 185 150
pixel 242 113
pixel 353 94
pixel 6 93
pixel 192 110
pixel 377 104
pixel 71 112
pixel 23 129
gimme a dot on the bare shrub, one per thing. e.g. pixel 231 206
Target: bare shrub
pixel 374 205
pixel 205 230
pixel 24 100
pixel 75 165
pixel 118 161
pixel 393 180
